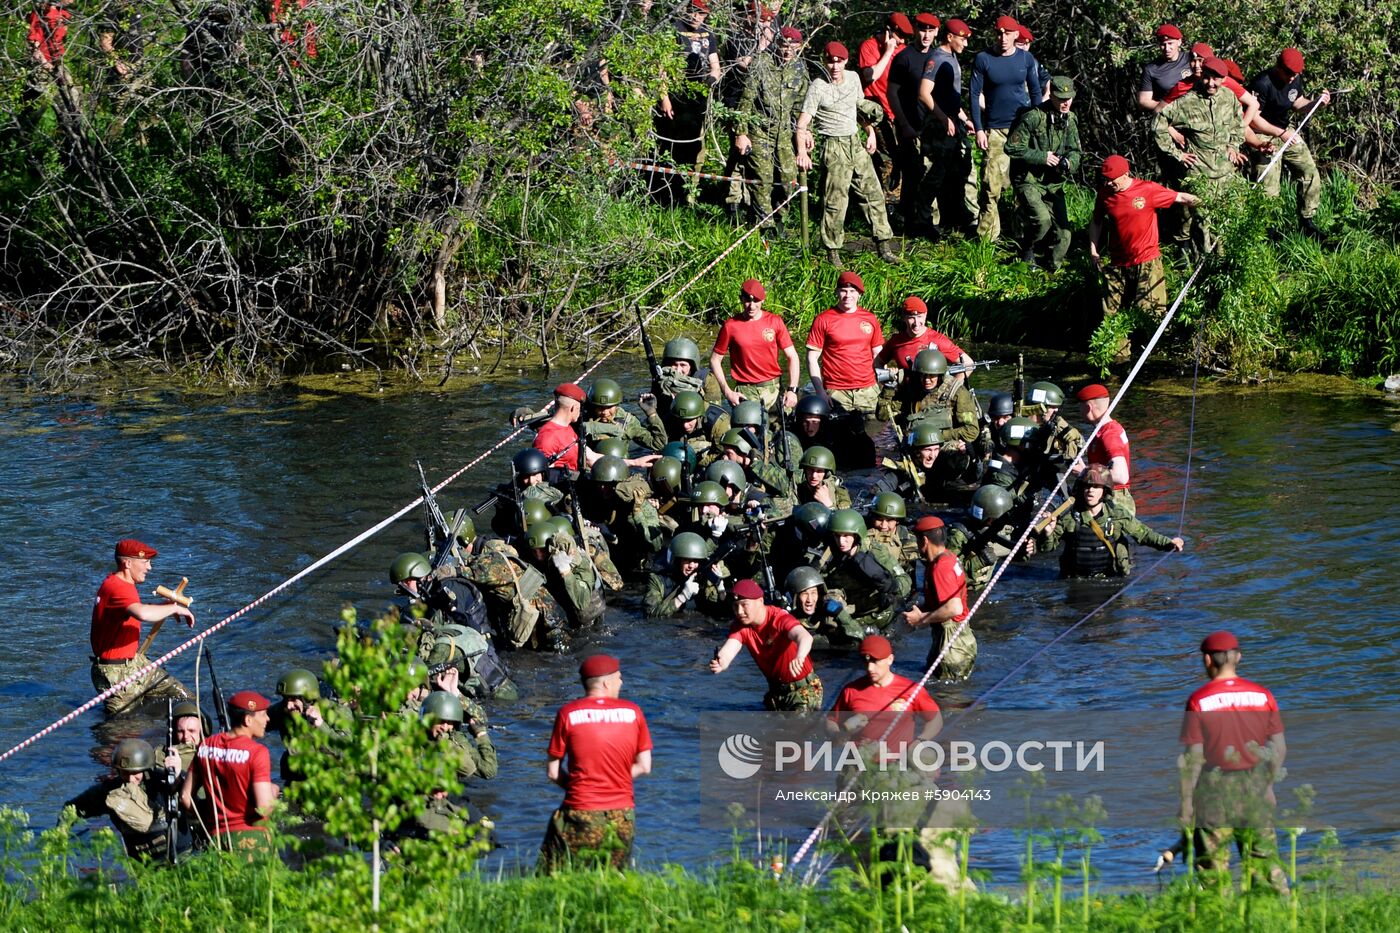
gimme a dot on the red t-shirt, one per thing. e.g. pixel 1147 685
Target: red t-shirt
pixel 552 438
pixel 862 696
pixel 1133 220
pixel 902 349
pixel 757 345
pixel 600 737
pixel 771 647
pixel 116 633
pixel 879 89
pixel 1110 442
pixel 848 342
pixel 944 580
pixel 1184 87
pixel 49 31
pixel 1224 716
pixel 228 766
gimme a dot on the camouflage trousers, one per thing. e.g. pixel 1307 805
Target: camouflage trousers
pixel 962 653
pixel 1122 500
pixel 1044 220
pixel 847 170
pixel 996 177
pixel 1298 160
pixel 796 697
pixel 155 685
pixel 855 401
pixel 586 836
pixel 1238 798
pixel 1142 286
pixel 771 159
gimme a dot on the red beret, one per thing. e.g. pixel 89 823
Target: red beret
pixel 791 33
pixel 1203 50
pixel 766 14
pixel 1008 24
pixel 1167 31
pixel 835 50
pixel 747 589
pixel 1234 69
pixel 876 646
pixel 701 5
pixel 1215 66
pixel 1115 166
pixel 914 305
pixel 569 390
pixel 598 665
pixel 1292 60
pixel 900 24
pixel 130 547
pixel 754 289
pixel 1026 34
pixel 1219 641
pixel 249 700
pixel 850 278
pixel 928 523
pixel 957 27
pixel 1092 391
pixel 927 19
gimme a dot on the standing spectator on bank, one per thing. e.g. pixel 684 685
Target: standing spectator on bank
pixel 680 124
pixel 1280 93
pixel 906 72
pixel 1044 148
pixel 1008 79
pixel 753 37
pixel 1212 126
pixel 1023 42
pixel 947 158
pixel 873 61
pixel 1171 67
pixel 767 115
pixel 835 110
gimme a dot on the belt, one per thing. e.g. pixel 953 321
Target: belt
pixel 778 686
pixel 113 660
pixel 766 382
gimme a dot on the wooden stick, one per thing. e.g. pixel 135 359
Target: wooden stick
pixel 177 596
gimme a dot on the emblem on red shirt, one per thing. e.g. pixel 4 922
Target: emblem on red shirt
pixel 769 334
pixel 865 327
pixel 1139 203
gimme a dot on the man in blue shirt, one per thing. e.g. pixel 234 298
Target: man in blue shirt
pixel 1008 79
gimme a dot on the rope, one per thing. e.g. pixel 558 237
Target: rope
pixel 380 526
pixel 668 170
pixel 820 828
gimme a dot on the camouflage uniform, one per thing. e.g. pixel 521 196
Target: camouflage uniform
pixel 873 583
pixel 804 493
pixel 845 163
pixel 1212 124
pixel 1233 806
pixel 155 685
pixel 439 816
pixel 901 543
pixel 712 600
pixel 950 407
pixel 979 552
pixel 514 591
pixel 133 810
pixel 798 697
pixel 768 111
pixel 1041 188
pixel 650 433
pixel 577 592
pixel 586 835
pixel 1097 545
pixel 835 629
pixel 633 523
pixel 471 757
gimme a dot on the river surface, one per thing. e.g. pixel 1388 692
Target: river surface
pixel 1292 523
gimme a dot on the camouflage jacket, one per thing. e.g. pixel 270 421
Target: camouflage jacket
pixel 900 543
pixel 950 407
pixel 1035 134
pixel 1212 124
pixel 772 97
pixel 471 757
pixel 803 493
pixel 871 578
pixel 649 433
pixel 978 551
pixel 712 600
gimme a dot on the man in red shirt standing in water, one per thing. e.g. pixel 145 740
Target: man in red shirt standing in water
pixel 841 350
pixel 1109 447
pixel 754 338
pixel 556 438
pixel 607 745
pixel 916 335
pixel 235 773
pixel 945 601
pixel 1127 208
pixel 1232 755
pixel 117 614
pixel 779 645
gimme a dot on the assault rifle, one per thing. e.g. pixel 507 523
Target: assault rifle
pixel 501 492
pixel 172 780
pixel 954 370
pixel 1019 385
pixel 220 709
pixel 441 534
pixel 782 429
pixel 652 366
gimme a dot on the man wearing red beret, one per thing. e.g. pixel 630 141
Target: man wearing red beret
pixel 1126 209
pixel 835 109
pixel 115 633
pixel 945 602
pixel 557 438
pixel 599 746
pixel 779 645
pixel 1170 68
pixel 949 180
pixel 841 350
pixel 234 771
pixel 754 338
pixel 905 74
pixel 916 335
pixel 874 698
pixel 1280 93
pixel 1232 755
pixel 873 61
pixel 1109 447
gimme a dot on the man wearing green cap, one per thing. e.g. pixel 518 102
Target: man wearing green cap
pixel 1044 149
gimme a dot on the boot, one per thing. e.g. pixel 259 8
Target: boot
pixel 1028 257
pixel 833 256
pixel 885 249
pixel 1309 229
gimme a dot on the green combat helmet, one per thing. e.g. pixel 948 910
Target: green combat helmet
pixel 818 458
pixel 846 522
pixel 132 755
pixel 726 473
pixel 299 684
pixel 682 348
pixel 535 512
pixel 931 362
pixel 541 534
pixel 924 435
pixel 708 493
pixel 802 579
pixel 735 440
pixel 441 706
pixel 687 405
pixel 409 565
pixel 811 520
pixel 604 393
pixel 683 454
pixel 666 475
pixel 689 546
pixel 1045 393
pixel 747 414
pixel 611 447
pixel 1015 431
pixel 990 503
pixel 529 461
pixel 190 708
pixel 608 470
pixel 466 528
pixel 889 505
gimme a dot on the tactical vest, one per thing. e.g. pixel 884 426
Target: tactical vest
pixel 453 643
pixel 935 408
pixel 868 586
pixel 1086 556
pixel 462 605
pixel 596 430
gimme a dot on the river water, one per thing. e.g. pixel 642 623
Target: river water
pixel 1292 523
